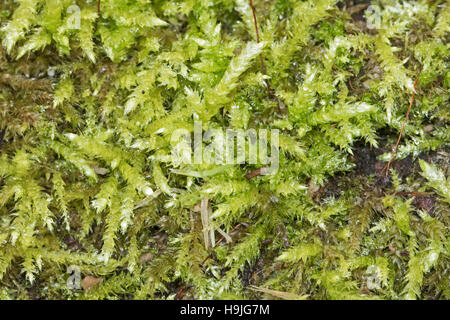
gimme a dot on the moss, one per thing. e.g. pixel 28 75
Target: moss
pixel 88 183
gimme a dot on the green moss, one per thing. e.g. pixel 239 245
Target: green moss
pixel 86 174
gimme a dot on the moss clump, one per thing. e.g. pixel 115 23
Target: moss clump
pixel 89 101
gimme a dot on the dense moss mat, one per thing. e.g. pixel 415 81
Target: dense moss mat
pixel 87 181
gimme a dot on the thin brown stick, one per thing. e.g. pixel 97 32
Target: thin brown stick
pixel 403 124
pixel 98 14
pixel 412 193
pixel 2 135
pixel 181 293
pixel 263 67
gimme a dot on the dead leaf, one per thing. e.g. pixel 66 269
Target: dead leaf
pixel 145 257
pixel 391 248
pixel 89 282
pixel 257 172
pixel 198 207
pixel 313 187
pixel 357 8
pixel 99 170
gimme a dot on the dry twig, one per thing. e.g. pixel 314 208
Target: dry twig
pixel 403 125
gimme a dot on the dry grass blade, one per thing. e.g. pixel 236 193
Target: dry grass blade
pixel 208 231
pixel 279 294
